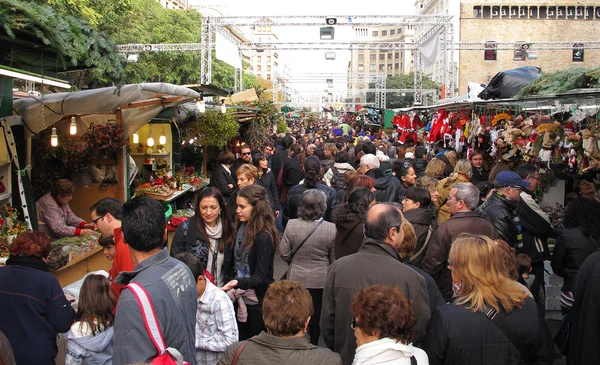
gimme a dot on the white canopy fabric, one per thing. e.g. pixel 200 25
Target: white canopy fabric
pixel 100 105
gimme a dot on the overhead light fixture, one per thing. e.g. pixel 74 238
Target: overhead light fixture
pixel 532 55
pixel 54 138
pixel 150 141
pixel 519 56
pixel 223 106
pixel 73 126
pixel 201 105
pixel 19 74
pixel 133 57
pixel 191 141
pixel 330 20
pixel 163 138
pixel 327 33
pixel 136 137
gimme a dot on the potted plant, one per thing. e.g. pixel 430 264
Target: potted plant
pixel 105 140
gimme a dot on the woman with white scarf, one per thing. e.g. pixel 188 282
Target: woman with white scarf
pixel 206 234
pixel 384 325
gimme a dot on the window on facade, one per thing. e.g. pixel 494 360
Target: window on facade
pixel 268 67
pixel 372 67
pixel 382 56
pixel 259 68
pixel 393 31
pixel 397 66
pixel 375 33
pixel 397 55
pixel 389 67
pixel 268 58
pixel 361 67
pixel 399 30
pixel 381 67
pixel 258 59
pixel 361 57
pixel 268 76
pixel 389 56
pixel 383 33
pixel 373 57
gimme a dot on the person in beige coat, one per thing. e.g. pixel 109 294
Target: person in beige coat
pixel 462 173
pixel 310 263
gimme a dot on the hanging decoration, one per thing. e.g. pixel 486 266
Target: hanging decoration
pixel 73 126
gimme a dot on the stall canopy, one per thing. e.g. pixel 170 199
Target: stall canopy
pixel 137 104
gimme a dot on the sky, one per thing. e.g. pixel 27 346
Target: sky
pixel 310 61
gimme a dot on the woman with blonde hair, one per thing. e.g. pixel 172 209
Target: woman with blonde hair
pixel 435 168
pixel 491 320
pixel 462 173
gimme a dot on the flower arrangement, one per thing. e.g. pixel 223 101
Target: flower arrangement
pixel 104 140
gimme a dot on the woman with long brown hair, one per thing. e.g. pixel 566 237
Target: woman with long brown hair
pixel 492 319
pixel 249 259
pixel 90 339
pixel 206 234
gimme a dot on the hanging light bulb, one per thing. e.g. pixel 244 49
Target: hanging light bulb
pixel 150 141
pixel 73 126
pixel 136 137
pixel 223 107
pixel 201 105
pixel 191 141
pixel 54 138
pixel 163 138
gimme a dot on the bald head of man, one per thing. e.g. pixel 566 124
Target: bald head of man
pixel 384 224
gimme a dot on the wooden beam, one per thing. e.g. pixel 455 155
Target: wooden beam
pixel 138 104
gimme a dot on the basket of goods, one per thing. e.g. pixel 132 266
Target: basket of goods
pixel 158 192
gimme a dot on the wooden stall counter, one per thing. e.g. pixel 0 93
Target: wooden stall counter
pixel 81 264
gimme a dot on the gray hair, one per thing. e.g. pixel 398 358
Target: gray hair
pixel 370 160
pixel 313 205
pixel 378 229
pixel 468 193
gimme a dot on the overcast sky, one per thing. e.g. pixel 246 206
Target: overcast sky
pixel 310 61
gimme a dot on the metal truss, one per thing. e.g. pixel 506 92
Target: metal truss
pixel 206 38
pixel 342 20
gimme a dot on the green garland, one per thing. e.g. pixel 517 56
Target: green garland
pixel 562 81
pixel 75 41
pixel 216 128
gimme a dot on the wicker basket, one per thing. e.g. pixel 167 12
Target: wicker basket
pixel 159 196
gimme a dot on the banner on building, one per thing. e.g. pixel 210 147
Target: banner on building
pixel 430 49
pixel 228 52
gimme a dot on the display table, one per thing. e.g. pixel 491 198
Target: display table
pixel 81 264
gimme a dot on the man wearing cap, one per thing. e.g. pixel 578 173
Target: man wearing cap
pixel 501 207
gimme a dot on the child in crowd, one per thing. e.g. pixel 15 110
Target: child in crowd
pixel 90 339
pixel 108 244
pixel 536 289
pixel 216 326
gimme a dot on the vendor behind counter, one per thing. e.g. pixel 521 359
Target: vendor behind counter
pixel 55 215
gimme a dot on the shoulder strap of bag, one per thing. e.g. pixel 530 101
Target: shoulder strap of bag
pixel 493 316
pixel 429 232
pixel 306 239
pixel 413 360
pixel 238 352
pixel 149 317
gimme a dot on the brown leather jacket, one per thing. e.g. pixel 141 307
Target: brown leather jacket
pixel 268 349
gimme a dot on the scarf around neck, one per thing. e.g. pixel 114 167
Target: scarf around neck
pixel 27 261
pixel 214 233
pixel 385 350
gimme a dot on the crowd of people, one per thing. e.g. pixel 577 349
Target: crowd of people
pixel 397 254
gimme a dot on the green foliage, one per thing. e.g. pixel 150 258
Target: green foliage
pixel 281 127
pixel 75 40
pixel 563 81
pixel 257 134
pixel 216 128
pixel 223 75
pixel 397 100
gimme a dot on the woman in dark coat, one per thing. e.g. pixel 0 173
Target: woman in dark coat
pixel 579 239
pixel 267 180
pixel 221 177
pixel 33 306
pixel 467 331
pixel 292 168
pixel 417 209
pixel 349 221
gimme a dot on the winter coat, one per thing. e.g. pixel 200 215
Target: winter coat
pixel 536 229
pixel 387 188
pixel 420 165
pixel 268 349
pixel 221 179
pixel 387 351
pixel 457 335
pixel 435 296
pixel 59 220
pixel 436 259
pixel 309 265
pixel 376 263
pixel 34 310
pixel 292 173
pixel 584 334
pixel 571 248
pixel 479 175
pixel 343 168
pixel 327 163
pixel 236 165
pixel 500 212
pixel 421 219
pixel 294 198
pixel 269 182
pixel 449 168
pixel 279 158
pixel 172 290
pixel 89 350
pixel 260 260
pixel 443 188
pixel 349 235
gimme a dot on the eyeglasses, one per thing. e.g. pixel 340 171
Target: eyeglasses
pixel 246 153
pixel 355 323
pixel 95 221
pixel 534 178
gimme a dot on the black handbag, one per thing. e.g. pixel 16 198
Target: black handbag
pixel 284 276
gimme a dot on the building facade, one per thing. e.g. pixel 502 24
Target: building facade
pixel 264 62
pixel 522 21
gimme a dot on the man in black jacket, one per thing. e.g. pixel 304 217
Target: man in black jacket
pixel 245 157
pixel 280 157
pixel 500 209
pixel 535 223
pixel 387 188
